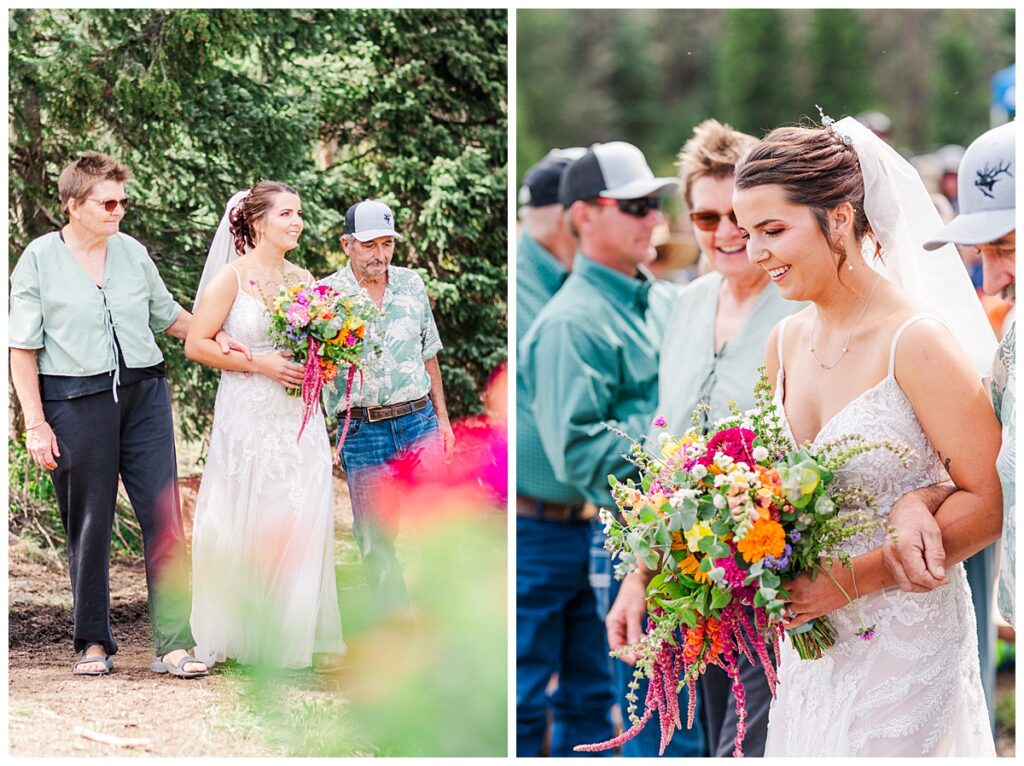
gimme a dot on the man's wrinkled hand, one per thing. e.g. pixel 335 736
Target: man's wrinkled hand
pixel 448 437
pixel 624 621
pixel 914 554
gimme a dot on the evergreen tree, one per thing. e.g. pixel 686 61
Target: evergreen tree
pixel 752 71
pixel 959 86
pixel 836 58
pixel 406 106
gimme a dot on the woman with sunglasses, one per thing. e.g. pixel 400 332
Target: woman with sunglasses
pixel 85 303
pixel 714 343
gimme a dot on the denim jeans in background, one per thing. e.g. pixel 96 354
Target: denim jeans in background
pixel 368 456
pixel 688 743
pixel 558 631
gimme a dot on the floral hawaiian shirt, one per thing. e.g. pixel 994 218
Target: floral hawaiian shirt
pixel 400 339
pixel 1004 381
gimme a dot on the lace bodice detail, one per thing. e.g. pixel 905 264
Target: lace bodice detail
pixel 915 688
pixel 255 413
pixel 881 412
pixel 248 322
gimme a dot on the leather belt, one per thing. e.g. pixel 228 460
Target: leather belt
pixel 532 508
pixel 374 414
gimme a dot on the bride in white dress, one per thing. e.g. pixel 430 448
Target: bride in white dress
pixel 263 540
pixel 870 357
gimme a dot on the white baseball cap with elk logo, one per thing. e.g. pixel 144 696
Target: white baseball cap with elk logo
pixel 986 182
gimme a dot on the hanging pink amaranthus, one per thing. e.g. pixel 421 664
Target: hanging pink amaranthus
pixel 348 408
pixel 312 384
pixel 672 668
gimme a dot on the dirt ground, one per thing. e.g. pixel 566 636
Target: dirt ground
pixel 132 711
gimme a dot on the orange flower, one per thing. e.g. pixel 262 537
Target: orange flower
pixel 691 566
pixel 703 642
pixel 765 538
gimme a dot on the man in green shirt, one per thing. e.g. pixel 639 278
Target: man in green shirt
pixel 558 631
pixel 591 356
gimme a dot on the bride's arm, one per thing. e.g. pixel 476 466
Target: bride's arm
pixel 953 409
pixel 208 319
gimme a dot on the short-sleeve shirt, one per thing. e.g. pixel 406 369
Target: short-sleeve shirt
pixel 406 335
pixel 1004 383
pixel 57 309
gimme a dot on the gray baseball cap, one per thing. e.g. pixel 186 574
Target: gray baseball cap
pixel 370 219
pixel 616 170
pixel 985 191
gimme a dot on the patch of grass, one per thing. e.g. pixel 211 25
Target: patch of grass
pixel 1006 711
pixel 433 683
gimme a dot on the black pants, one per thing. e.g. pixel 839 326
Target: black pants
pixel 98 440
pixel 720 706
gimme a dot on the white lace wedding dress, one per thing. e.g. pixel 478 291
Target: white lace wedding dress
pixel 914 689
pixel 262 544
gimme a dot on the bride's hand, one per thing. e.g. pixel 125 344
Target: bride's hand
pixel 812 599
pixel 278 367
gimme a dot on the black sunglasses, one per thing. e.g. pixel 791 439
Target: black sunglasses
pixel 110 205
pixel 637 207
pixel 708 221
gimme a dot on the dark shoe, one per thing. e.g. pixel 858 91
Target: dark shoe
pixel 86 660
pixel 177 669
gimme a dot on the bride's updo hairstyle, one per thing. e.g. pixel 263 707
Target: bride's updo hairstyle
pixel 815 168
pixel 253 208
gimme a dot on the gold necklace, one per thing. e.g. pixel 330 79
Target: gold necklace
pixel 846 345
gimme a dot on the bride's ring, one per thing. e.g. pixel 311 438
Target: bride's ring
pixel 792 614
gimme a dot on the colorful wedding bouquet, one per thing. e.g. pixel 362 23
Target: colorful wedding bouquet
pixel 324 330
pixel 722 520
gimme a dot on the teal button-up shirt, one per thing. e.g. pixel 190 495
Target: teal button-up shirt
pixel 691 373
pixel 57 309
pixel 539 275
pixel 405 334
pixel 591 357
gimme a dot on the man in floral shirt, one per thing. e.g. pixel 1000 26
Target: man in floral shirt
pixel 398 413
pixel 986 221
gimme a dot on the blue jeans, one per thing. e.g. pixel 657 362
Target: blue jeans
pixel 368 454
pixel 558 631
pixel 688 743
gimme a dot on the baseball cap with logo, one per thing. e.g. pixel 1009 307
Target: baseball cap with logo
pixel 540 184
pixel 615 170
pixel 985 191
pixel 369 219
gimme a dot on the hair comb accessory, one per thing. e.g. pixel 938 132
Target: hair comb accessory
pixel 830 125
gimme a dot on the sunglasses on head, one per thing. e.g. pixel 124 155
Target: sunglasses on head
pixel 110 205
pixel 637 207
pixel 708 221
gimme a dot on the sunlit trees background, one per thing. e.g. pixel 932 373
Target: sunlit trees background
pixel 649 76
pixel 406 106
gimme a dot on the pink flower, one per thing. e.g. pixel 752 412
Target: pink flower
pixel 351 340
pixel 298 315
pixel 659 422
pixel 737 443
pixel 302 297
